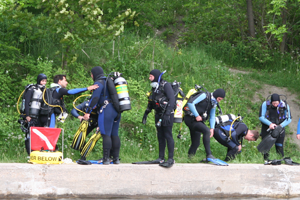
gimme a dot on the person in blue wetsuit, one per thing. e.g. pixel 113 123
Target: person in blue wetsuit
pixel 274 112
pixel 298 130
pixel 108 119
pixel 201 109
pixel 60 83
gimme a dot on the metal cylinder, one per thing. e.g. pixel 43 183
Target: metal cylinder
pixel 123 95
pixel 35 104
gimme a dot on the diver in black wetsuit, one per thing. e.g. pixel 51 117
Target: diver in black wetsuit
pixel 274 112
pixel 202 108
pixel 60 82
pixel 234 144
pixel 162 100
pixel 33 100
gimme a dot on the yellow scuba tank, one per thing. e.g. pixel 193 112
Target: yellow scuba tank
pixel 122 91
pixel 189 94
pixel 178 114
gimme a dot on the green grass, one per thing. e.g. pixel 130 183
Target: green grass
pixel 133 56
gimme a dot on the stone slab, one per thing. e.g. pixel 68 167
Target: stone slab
pixel 128 180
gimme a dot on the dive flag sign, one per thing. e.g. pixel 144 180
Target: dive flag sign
pixel 44 138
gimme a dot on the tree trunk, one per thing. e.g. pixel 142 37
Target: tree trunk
pixel 250 18
pixel 283 42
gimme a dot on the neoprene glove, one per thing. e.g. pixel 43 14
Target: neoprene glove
pixel 144 121
pixel 167 118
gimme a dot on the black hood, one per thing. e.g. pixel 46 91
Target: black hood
pixel 97 73
pixel 40 77
pixel 155 73
pixel 219 93
pixel 275 97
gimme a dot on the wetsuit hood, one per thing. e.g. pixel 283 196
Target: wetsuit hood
pixel 275 97
pixel 40 77
pixel 155 73
pixel 219 93
pixel 97 73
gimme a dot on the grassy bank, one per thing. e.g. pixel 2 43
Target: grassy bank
pixel 135 57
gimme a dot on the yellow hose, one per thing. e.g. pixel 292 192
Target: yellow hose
pixel 50 104
pixel 76 100
pixel 232 124
pixel 19 102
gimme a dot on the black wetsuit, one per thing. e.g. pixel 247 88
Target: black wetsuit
pixel 58 96
pixel 39 121
pixel 205 107
pixel 164 132
pixel 36 121
pixel 269 114
pixel 232 145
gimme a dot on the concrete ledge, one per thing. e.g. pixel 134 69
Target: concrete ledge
pixel 182 180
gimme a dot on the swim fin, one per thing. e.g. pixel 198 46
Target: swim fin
pixel 99 162
pixel 83 162
pixel 266 144
pixel 80 135
pixel 289 161
pixel 272 162
pixel 88 147
pixel 214 160
pixel 157 161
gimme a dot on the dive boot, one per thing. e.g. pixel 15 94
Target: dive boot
pixel 106 159
pixel 167 164
pixel 116 161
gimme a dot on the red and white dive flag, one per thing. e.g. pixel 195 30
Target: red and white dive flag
pixel 45 138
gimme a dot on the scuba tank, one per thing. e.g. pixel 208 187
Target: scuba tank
pixel 35 104
pixel 179 96
pixel 189 94
pixel 224 118
pixel 122 91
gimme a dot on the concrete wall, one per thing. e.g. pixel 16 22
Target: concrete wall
pixel 182 180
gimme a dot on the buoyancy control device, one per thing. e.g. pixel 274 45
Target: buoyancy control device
pixel 179 97
pixel 282 110
pixel 195 93
pixel 228 124
pixel 21 111
pixel 35 101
